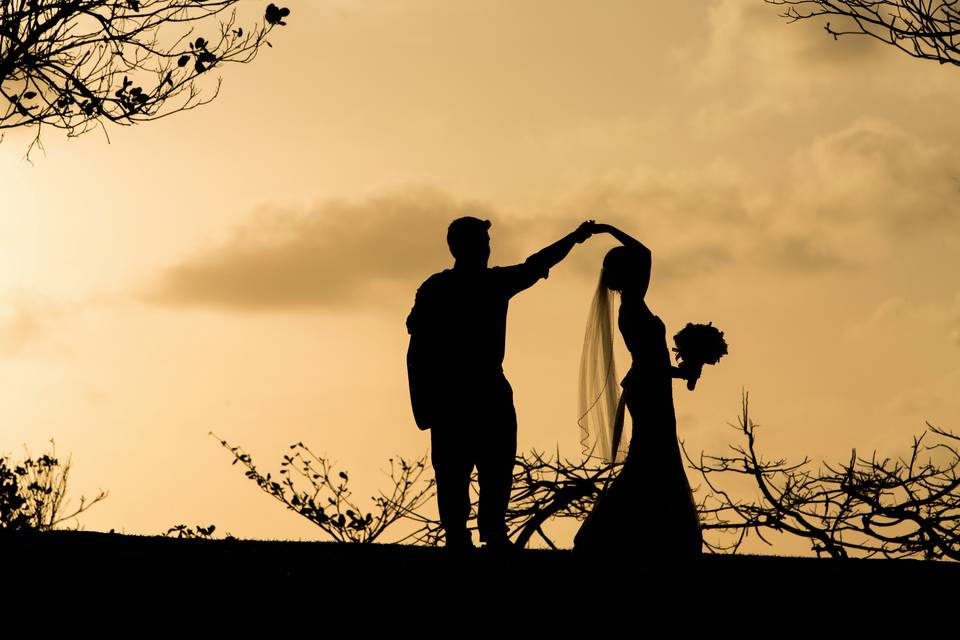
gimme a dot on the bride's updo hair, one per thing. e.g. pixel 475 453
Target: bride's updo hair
pixel 626 269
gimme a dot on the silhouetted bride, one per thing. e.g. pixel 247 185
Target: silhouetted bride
pixel 648 508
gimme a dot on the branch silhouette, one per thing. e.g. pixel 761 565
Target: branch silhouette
pixel 925 29
pixel 73 64
pixel 868 506
pixel 544 489
pixel 33 494
pixel 311 487
pixel 907 507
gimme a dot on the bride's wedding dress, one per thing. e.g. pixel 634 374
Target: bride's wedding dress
pixel 648 509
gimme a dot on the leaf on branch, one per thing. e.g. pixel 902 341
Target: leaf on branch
pixel 30 95
pixel 184 59
pixel 275 15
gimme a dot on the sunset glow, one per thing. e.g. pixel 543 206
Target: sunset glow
pixel 246 268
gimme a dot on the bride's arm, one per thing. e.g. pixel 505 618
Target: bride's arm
pixel 688 373
pixel 624 238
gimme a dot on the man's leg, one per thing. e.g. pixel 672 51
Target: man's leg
pixel 497 453
pixel 452 467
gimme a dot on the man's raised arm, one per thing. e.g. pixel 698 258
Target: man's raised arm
pixel 550 256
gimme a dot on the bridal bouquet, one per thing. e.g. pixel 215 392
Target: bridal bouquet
pixel 697 345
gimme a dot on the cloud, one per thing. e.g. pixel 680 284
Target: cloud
pixel 845 201
pixel 806 253
pixel 20 326
pixel 702 222
pixel 340 254
pixel 688 263
pixel 955 313
pixel 334 254
pixel 693 222
pixel 935 401
pixel 932 322
pixel 758 81
pixel 25 323
pixel 754 43
pixel 875 171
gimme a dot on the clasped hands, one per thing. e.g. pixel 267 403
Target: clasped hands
pixel 589 228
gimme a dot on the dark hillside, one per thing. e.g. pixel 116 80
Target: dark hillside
pixel 123 564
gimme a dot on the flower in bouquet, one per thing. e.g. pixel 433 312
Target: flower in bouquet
pixel 697 345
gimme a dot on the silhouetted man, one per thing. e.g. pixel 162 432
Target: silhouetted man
pixel 455 366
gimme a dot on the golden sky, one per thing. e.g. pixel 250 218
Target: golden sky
pixel 247 267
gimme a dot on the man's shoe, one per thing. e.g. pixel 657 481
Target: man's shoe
pixel 501 544
pixel 459 544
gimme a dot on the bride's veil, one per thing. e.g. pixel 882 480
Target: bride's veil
pixel 601 413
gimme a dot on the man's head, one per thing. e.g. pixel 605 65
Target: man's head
pixel 469 242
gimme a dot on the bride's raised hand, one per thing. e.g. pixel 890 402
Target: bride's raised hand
pixel 585 230
pixel 603 227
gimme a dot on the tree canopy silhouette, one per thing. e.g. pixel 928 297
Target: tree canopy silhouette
pixel 72 64
pixel 927 29
pixel 33 493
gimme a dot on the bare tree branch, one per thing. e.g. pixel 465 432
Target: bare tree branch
pixel 867 506
pixel 544 489
pixel 926 29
